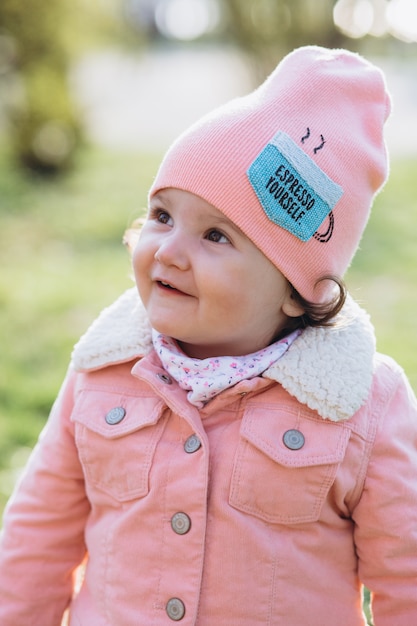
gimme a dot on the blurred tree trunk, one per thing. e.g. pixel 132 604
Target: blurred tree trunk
pixel 269 29
pixel 43 123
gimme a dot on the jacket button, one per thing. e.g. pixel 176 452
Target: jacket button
pixel 165 378
pixel 293 439
pixel 180 523
pixel 175 609
pixel 115 415
pixel 192 444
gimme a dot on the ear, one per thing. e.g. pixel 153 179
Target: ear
pixel 290 307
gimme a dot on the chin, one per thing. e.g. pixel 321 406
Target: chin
pixel 163 327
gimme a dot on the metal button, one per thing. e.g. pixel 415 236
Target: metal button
pixel 293 439
pixel 175 609
pixel 180 523
pixel 115 415
pixel 165 378
pixel 192 444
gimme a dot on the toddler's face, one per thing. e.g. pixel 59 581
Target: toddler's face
pixel 204 283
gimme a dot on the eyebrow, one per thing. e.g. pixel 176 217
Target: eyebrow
pixel 219 218
pixel 159 196
pixel 223 219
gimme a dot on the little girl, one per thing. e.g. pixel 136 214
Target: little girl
pixel 228 448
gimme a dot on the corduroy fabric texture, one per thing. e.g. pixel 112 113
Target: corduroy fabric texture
pixel 295 164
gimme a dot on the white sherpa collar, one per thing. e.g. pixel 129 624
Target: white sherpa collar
pixel 328 369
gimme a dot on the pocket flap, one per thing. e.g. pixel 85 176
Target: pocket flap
pixel 125 414
pixel 324 441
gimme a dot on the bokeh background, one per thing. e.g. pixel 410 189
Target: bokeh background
pixel 91 94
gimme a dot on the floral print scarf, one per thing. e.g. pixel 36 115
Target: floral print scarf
pixel 205 378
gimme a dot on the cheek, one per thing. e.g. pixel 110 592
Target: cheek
pixel 143 250
pixel 136 261
pixel 140 265
pixel 230 299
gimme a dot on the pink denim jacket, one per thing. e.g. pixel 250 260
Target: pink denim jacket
pixel 269 507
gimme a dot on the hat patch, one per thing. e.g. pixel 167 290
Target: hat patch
pixel 292 189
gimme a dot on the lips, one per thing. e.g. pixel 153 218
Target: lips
pixel 169 287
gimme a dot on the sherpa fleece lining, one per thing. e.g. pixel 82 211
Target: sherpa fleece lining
pixel 327 369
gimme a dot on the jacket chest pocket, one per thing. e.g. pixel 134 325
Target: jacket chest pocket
pixel 116 437
pixel 285 464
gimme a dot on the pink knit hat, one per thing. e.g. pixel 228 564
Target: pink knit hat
pixel 295 164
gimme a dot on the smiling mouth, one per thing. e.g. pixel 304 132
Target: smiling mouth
pixel 168 287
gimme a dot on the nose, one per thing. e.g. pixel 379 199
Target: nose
pixel 173 250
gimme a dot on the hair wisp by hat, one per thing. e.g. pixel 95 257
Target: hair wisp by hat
pixel 295 164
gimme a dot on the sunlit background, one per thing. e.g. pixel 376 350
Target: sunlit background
pixel 190 19
pixel 358 18
pixel 133 73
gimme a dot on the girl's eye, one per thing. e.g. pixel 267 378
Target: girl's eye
pixel 217 237
pixel 160 216
pixel 163 217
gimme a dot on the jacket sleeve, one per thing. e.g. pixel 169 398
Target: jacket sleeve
pixel 386 515
pixel 42 541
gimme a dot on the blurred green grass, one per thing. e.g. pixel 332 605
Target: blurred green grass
pixel 383 276
pixel 62 261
